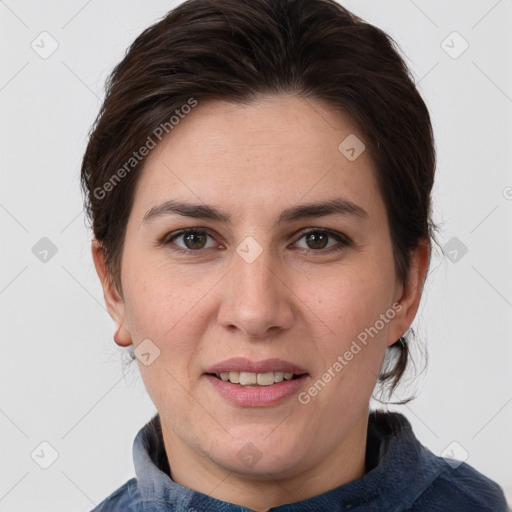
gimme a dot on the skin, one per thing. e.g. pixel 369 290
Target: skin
pixel 296 301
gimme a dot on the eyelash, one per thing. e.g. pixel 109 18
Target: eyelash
pixel 343 240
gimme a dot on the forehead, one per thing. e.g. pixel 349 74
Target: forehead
pixel 268 154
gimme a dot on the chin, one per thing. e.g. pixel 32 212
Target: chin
pixel 259 458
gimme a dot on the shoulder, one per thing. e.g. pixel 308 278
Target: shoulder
pixel 126 499
pixel 417 480
pixel 461 488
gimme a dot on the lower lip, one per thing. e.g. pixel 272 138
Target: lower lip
pixel 257 396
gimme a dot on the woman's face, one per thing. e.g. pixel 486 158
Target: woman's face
pixel 268 283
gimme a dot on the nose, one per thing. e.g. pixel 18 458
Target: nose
pixel 256 299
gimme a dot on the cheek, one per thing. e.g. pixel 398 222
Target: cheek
pixel 160 297
pixel 172 307
pixel 160 307
pixel 349 309
pixel 350 299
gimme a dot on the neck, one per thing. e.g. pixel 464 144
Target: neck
pixel 345 463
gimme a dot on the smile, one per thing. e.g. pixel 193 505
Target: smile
pixel 249 383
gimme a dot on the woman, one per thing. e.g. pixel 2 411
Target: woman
pixel 258 182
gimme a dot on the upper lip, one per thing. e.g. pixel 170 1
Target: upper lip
pixel 242 364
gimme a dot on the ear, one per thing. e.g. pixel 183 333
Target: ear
pixel 114 302
pixel 408 297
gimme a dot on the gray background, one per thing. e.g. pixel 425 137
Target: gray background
pixel 62 381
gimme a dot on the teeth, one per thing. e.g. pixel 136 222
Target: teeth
pixel 234 377
pixel 246 378
pixel 261 379
pixel 265 379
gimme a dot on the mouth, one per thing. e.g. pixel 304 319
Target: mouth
pixel 248 383
pixel 256 379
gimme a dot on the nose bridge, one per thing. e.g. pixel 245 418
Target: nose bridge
pixel 255 300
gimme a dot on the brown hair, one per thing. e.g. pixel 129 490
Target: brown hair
pixel 237 51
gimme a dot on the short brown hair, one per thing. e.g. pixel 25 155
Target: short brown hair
pixel 237 51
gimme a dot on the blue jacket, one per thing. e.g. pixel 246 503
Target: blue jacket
pixel 402 475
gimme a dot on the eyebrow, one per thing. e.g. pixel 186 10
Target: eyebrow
pixel 336 206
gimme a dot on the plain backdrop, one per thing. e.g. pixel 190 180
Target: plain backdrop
pixel 61 376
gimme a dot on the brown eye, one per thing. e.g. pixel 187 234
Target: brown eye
pixel 192 240
pixel 195 240
pixel 317 240
pixel 324 241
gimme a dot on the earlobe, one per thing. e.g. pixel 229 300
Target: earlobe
pixel 122 337
pixel 113 301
